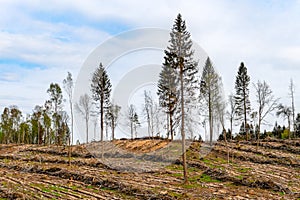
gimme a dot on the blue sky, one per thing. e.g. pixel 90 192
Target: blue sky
pixel 41 40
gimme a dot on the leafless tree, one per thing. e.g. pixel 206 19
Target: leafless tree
pixel 149 111
pixel 112 117
pixel 133 120
pixel 84 108
pixel 68 86
pixel 266 102
pixel 220 113
pixel 291 94
pixel 232 112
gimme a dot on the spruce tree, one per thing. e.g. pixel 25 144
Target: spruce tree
pixel 242 96
pixel 179 55
pixel 101 89
pixel 210 93
pixel 167 92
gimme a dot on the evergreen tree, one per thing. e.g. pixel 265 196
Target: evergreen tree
pixel 179 55
pixel 242 96
pixel 210 93
pixel 56 98
pixel 101 88
pixel 167 93
pixel 297 125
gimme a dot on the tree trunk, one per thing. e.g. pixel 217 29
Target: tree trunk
pixel 210 119
pixel 171 126
pixel 72 122
pixel 87 130
pixel 182 124
pixel 231 129
pixel 101 119
pixel 131 129
pixel 113 128
pixel 258 134
pixel 289 122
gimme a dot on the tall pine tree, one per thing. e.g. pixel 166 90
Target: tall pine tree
pixel 167 93
pixel 242 96
pixel 101 88
pixel 179 56
pixel 210 93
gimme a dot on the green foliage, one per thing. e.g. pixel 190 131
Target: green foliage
pixel 242 94
pixel 207 179
pixel 167 92
pixel 285 134
pixel 210 93
pixel 101 89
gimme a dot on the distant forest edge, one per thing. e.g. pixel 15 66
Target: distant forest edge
pixel 180 95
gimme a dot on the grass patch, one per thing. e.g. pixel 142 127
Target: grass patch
pixel 89 186
pixel 207 179
pixel 175 167
pixel 47 190
pixel 73 187
pixel 192 169
pixel 58 188
pixel 244 170
pixel 239 177
pixel 206 161
pixel 175 194
pixel 177 175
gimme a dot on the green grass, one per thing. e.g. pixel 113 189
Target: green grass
pixel 207 179
pixel 177 175
pixel 239 177
pixel 175 194
pixel 57 188
pixel 244 170
pixel 175 167
pixel 90 187
pixel 74 187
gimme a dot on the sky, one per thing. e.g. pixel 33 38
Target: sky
pixel 40 41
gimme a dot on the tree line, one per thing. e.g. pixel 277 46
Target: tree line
pixel 182 91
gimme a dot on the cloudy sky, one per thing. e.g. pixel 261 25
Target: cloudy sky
pixel 41 40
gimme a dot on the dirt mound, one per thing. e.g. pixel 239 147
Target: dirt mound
pixel 141 146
